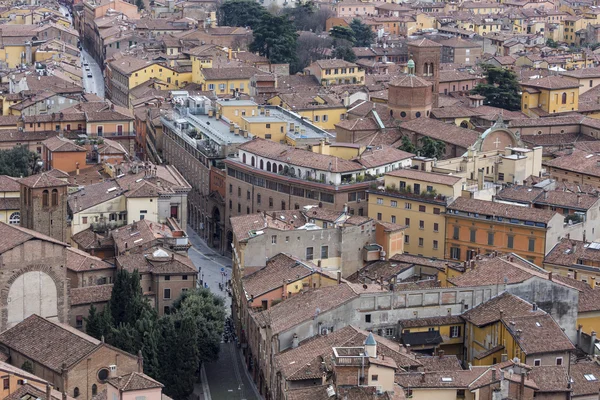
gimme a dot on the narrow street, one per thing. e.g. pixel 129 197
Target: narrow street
pixel 226 378
pixel 95 84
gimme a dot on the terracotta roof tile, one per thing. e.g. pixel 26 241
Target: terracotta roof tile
pixel 537 334
pixel 382 155
pixel 159 261
pixel 300 308
pixel 295 156
pixel 78 261
pixel 94 194
pixel 279 268
pixel 48 343
pixel 13 235
pixel 42 180
pixel 439 130
pixel 581 385
pixel 294 363
pixel 550 378
pixel 91 294
pixel 490 311
pixel 134 381
pixel 9 184
pixel 551 82
pixel 483 207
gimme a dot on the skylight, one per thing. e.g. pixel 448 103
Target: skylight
pixel 590 377
pixel 538 324
pixel 446 379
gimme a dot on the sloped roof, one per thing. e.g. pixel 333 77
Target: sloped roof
pixel 48 343
pixel 42 180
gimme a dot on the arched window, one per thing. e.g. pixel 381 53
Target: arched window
pixel 262 166
pixel 54 197
pixel 252 161
pixel 269 166
pixel 564 98
pixel 280 168
pixel 45 195
pixel 94 389
pixel 15 218
pixel 76 392
pixel 244 158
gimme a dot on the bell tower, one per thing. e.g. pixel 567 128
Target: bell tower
pixel 44 205
pixel 427 56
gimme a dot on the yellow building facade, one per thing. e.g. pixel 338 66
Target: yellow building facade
pixel 551 94
pixel 416 199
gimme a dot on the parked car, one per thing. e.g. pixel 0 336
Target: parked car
pixel 89 74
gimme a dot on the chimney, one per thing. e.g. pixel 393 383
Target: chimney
pixel 493 375
pixel 422 376
pixel 76 168
pixel 339 277
pixel 295 341
pixel 550 275
pixel 578 199
pixel 231 127
pixel 593 343
pixel 522 386
pixel 113 370
pixel 573 247
pixel 64 395
pixel 535 307
pixel 441 353
pixel 140 361
pixel 48 391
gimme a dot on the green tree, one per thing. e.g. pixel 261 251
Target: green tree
pixel 240 13
pixel 208 311
pixel 127 300
pixel 363 33
pixel 308 17
pixel 344 53
pixel 94 324
pixel 18 162
pixel 551 43
pixel 140 5
pixel 407 145
pixel 501 89
pixel 185 351
pixel 343 33
pixel 27 366
pixel 275 38
pixel 431 148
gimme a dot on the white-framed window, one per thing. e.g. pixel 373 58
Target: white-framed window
pixel 274 239
pixel 15 218
pixel 325 118
pixel 559 361
pixel 316 118
pixel 222 87
pixel 455 331
pixel 537 362
pixel 211 86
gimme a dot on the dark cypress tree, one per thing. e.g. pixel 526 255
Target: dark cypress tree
pixel 94 325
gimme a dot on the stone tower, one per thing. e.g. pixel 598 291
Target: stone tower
pixel 427 56
pixel 44 205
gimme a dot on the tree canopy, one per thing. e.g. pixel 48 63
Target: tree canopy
pixel 18 161
pixel 501 89
pixel 275 38
pixel 307 17
pixel 428 147
pixel 240 13
pixel 172 345
pixel 363 34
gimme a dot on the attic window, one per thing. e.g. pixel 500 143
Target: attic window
pixel 446 379
pixel 590 377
